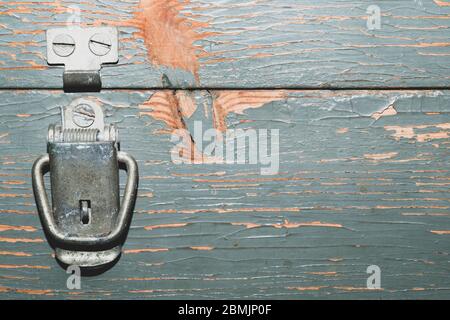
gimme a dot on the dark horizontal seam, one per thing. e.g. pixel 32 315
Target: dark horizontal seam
pixel 242 88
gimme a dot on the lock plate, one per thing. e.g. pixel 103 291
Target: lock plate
pixel 85 186
pixel 82 51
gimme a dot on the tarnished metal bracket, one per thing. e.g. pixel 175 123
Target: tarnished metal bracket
pixel 82 51
pixel 87 222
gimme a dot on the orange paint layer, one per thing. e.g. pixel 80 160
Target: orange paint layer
pixel 250 180
pixel 151 279
pixel 16 211
pixel 380 156
pixel 409 132
pixel 14 195
pixel 312 288
pixel 224 210
pixel 26 291
pixel 290 225
pixel 165 106
pixel 442 3
pixel 159 226
pixel 141 291
pixel 21 266
pixel 16 254
pixel 131 251
pixel 389 111
pixel 440 232
pixel 4 227
pixel 342 130
pixel 169 35
pixel 431 136
pixel 14 182
pixel 323 273
pixel 202 248
pixel 248 225
pixel 26 240
pixel 228 101
pixel 356 288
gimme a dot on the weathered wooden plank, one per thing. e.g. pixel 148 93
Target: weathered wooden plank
pixel 239 44
pixel 363 180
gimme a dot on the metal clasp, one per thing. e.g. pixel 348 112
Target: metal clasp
pixel 87 223
pixel 82 51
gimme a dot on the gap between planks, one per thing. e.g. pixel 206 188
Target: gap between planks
pixel 237 89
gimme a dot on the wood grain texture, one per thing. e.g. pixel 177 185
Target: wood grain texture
pixel 364 179
pixel 239 44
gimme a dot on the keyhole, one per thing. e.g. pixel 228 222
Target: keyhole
pixel 85 211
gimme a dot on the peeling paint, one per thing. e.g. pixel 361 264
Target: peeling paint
pixel 170 36
pixel 342 130
pixel 442 3
pixel 440 232
pixel 389 111
pixel 27 291
pixel 170 225
pixel 380 156
pixel 237 101
pixel 289 225
pixel 22 266
pixel 25 240
pixel 248 225
pixel 310 288
pixel 165 106
pixel 409 132
pixel 130 251
pixel 14 253
pixel 323 273
pixel 4 227
pixel 202 248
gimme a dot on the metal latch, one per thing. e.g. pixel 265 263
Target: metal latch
pixel 82 51
pixel 87 222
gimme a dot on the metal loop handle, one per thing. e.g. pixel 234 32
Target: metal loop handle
pixel 124 216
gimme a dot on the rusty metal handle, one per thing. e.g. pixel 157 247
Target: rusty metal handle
pixel 124 217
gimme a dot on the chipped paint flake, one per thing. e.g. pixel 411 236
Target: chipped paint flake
pixel 4 227
pixel 248 225
pixel 15 253
pixel 290 225
pixel 202 248
pixel 22 266
pixel 170 225
pixel 380 156
pixel 442 3
pixel 389 111
pixel 342 130
pixel 25 240
pixel 310 288
pixel 131 251
pixel 440 232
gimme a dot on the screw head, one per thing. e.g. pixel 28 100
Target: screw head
pixel 83 115
pixel 100 44
pixel 63 45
